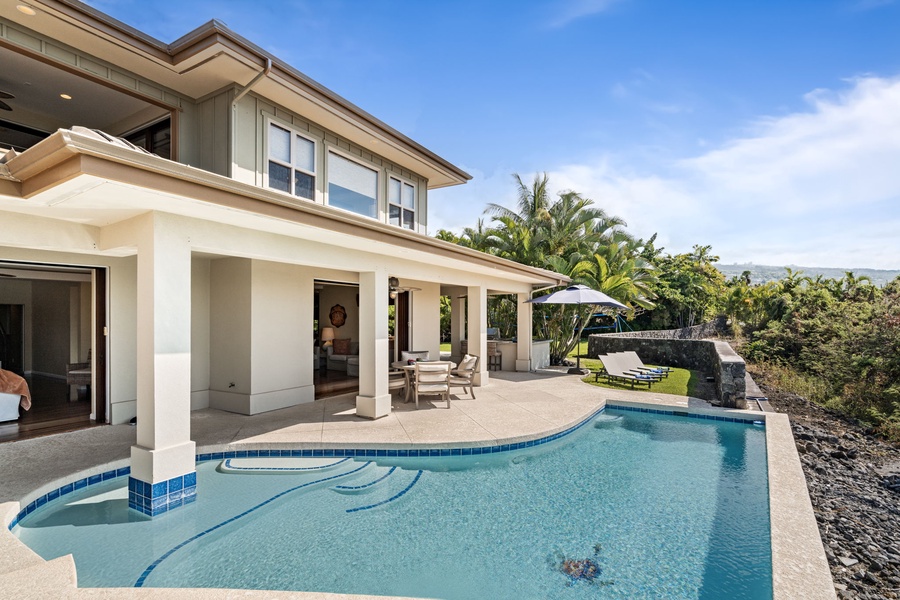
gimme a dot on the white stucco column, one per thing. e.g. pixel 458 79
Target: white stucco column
pixel 457 324
pixel 426 319
pixel 163 476
pixel 374 400
pixel 523 332
pixel 477 330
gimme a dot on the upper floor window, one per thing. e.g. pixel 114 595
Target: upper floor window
pixel 401 203
pixel 292 162
pixel 156 138
pixel 352 186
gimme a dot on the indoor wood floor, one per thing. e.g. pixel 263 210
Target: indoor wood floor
pixel 51 411
pixel 333 383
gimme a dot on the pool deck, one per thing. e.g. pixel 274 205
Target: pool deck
pixel 513 407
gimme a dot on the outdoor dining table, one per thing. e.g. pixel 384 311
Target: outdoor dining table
pixel 409 371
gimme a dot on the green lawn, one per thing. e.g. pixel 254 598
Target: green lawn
pixel 681 382
pixel 445 347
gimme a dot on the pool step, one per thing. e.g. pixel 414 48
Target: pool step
pixel 399 483
pixel 285 465
pixel 376 477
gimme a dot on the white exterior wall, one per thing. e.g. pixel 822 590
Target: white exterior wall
pixel 200 332
pixel 229 338
pixel 281 337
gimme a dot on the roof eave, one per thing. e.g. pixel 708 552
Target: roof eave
pixel 64 145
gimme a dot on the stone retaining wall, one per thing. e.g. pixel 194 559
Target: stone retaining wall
pixel 710 358
pixel 697 332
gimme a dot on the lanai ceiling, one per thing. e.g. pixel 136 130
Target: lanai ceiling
pixel 38 105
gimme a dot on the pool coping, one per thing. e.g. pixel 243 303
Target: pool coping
pixel 799 566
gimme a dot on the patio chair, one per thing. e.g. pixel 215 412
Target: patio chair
pixel 464 375
pixel 615 371
pixel 396 381
pixel 633 362
pixel 432 378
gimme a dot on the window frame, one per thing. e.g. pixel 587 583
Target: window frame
pixel 294 131
pixel 377 169
pixel 388 204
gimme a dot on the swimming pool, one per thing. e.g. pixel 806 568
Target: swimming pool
pixel 637 506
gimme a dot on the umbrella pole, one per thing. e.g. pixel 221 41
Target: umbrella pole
pixel 577 370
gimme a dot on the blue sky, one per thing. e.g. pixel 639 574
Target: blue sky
pixel 767 129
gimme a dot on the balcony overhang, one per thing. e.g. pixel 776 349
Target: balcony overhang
pixel 81 178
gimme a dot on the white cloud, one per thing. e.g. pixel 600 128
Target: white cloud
pixel 818 188
pixel 573 10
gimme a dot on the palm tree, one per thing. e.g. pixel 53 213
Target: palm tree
pixel 533 204
pixel 476 238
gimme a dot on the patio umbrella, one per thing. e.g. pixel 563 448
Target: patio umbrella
pixel 578 294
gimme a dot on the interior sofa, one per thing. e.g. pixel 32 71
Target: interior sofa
pixel 340 352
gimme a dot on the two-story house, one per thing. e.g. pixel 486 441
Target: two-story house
pixel 191 219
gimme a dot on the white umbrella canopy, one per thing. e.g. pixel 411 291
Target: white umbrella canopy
pixel 578 294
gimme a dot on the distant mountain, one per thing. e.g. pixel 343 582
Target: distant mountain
pixel 764 273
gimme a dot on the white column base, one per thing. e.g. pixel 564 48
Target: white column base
pixel 162 464
pixel 523 365
pixel 373 407
pixel 481 378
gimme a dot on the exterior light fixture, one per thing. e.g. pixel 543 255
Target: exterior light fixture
pixel 26 10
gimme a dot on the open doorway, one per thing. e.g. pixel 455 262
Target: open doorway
pixel 336 329
pixel 52 333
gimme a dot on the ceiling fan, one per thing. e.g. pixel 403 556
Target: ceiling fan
pixel 395 287
pixel 5 96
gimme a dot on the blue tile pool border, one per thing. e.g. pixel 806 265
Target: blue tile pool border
pixel 95 479
pixel 685 414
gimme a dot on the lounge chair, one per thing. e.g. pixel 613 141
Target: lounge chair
pixel 616 371
pixel 632 362
pixel 464 375
pixel 432 378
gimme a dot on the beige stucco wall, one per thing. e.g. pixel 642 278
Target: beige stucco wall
pixel 229 337
pixel 281 336
pixel 200 332
pixel 260 335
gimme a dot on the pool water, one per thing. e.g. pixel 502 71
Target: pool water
pixel 629 506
